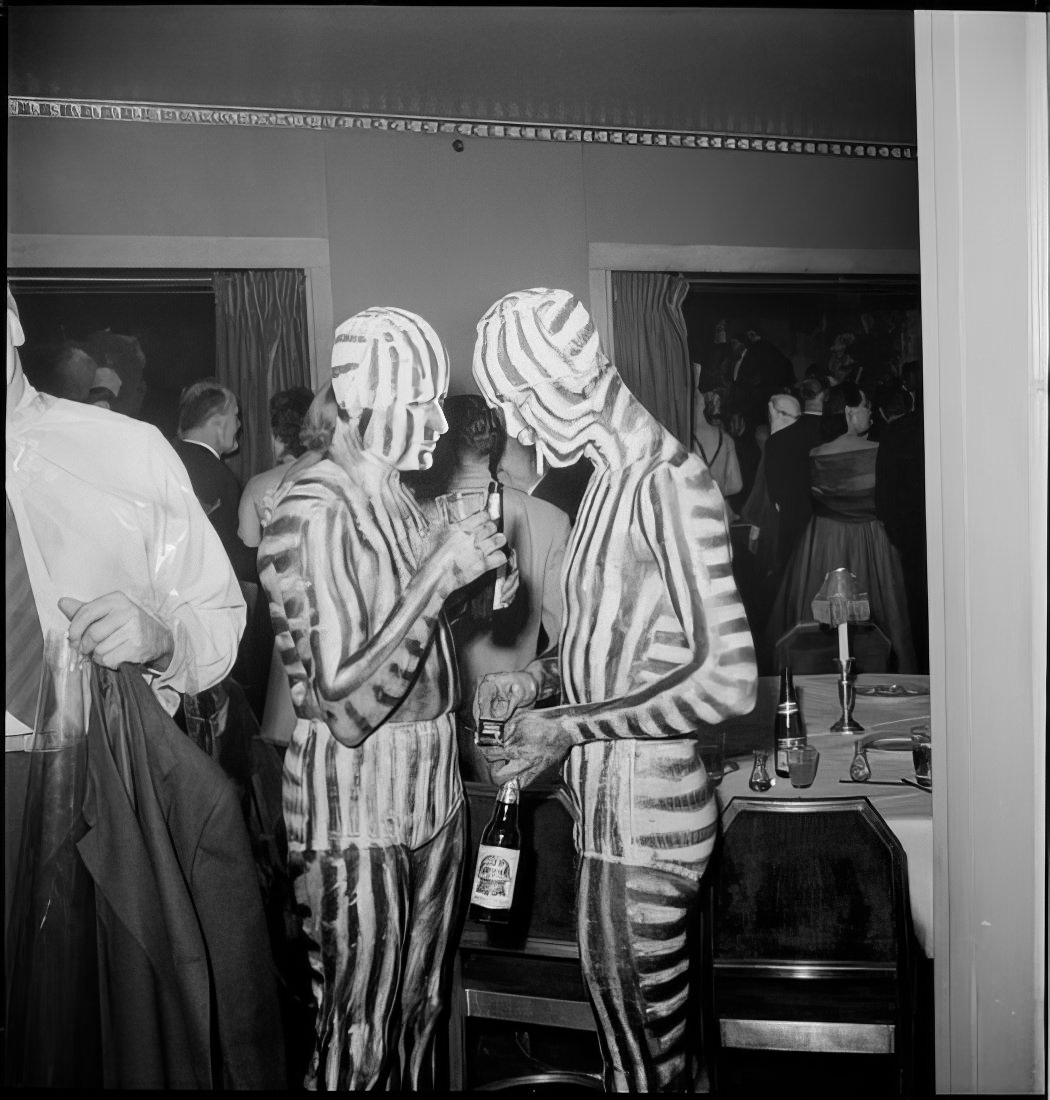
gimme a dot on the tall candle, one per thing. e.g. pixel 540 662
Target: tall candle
pixel 843 643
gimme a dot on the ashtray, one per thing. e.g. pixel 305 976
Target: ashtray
pixel 889 691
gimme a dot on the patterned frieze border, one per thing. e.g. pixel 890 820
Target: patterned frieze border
pixel 119 111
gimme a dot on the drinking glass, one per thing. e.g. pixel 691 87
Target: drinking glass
pixel 712 745
pixel 460 503
pixel 802 765
pixel 921 756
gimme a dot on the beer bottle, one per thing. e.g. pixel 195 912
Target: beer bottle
pixel 497 867
pixel 788 730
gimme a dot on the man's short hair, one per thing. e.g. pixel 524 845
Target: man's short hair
pixel 200 401
pixel 786 405
pixel 810 388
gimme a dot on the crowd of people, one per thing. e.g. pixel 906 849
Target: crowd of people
pixel 325 639
pixel 821 472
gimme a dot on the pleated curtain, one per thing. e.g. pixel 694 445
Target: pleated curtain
pixel 652 346
pixel 260 349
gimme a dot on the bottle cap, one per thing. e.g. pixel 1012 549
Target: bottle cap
pixel 509 792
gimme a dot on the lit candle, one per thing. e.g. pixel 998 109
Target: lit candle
pixel 843 644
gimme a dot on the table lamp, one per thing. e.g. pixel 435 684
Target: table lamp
pixel 838 603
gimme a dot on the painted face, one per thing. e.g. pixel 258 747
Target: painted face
pixel 390 372
pixel 536 354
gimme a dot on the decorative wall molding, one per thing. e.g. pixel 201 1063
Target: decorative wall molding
pixel 184 114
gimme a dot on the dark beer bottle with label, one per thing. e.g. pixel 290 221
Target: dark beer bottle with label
pixel 496 869
pixel 788 731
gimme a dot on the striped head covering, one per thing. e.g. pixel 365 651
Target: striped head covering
pixel 384 357
pixel 536 336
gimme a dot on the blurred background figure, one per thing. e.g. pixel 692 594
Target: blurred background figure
pixel 64 369
pixel 712 442
pixel 105 388
pixel 900 503
pixel 287 409
pixel 846 532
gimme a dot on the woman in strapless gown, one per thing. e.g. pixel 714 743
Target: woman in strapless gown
pixel 844 531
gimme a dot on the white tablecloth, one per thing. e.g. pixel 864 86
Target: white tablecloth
pixel 907 811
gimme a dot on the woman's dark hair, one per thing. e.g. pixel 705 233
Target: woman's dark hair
pixel 475 428
pixel 287 409
pixel 833 417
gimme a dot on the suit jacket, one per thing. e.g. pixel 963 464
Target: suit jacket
pixel 900 484
pixel 787 482
pixel 188 996
pixel 219 492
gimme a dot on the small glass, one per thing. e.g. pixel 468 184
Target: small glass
pixel 921 757
pixel 759 780
pixel 802 765
pixel 460 503
pixel 712 745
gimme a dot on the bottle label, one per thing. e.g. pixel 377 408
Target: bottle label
pixel 494 876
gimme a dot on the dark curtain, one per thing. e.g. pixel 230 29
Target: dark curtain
pixel 260 349
pixel 652 346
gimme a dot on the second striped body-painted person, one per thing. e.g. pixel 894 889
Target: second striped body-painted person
pixel 655 645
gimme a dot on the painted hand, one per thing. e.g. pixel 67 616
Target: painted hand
pixel 532 742
pixel 112 630
pixel 500 694
pixel 473 547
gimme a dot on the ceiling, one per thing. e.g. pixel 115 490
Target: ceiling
pixel 832 74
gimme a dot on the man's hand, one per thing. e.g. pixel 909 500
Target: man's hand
pixel 532 742
pixel 112 630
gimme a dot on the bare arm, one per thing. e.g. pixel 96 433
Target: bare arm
pixel 366 656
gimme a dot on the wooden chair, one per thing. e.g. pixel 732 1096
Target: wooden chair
pixel 810 648
pixel 809 939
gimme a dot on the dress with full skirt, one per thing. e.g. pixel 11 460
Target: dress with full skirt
pixel 844 531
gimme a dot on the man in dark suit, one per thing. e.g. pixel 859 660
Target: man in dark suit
pixel 209 422
pixel 758 369
pixel 900 502
pixel 787 472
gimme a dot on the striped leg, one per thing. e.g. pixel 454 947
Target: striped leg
pixel 636 926
pixel 358 904
pixel 436 873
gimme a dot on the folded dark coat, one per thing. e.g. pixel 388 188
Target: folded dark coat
pixel 188 993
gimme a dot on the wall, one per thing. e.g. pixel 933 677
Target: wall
pixel 982 115
pixel 410 220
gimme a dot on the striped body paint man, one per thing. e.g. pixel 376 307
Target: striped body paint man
pixel 654 646
pixel 356 581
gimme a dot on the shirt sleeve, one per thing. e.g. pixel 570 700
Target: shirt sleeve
pixel 195 591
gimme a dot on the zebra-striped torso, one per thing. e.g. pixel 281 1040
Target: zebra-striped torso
pixel 653 623
pixel 370 662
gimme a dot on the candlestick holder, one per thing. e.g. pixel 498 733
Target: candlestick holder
pixel 847 697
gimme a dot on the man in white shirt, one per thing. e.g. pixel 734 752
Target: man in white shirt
pixel 105 540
